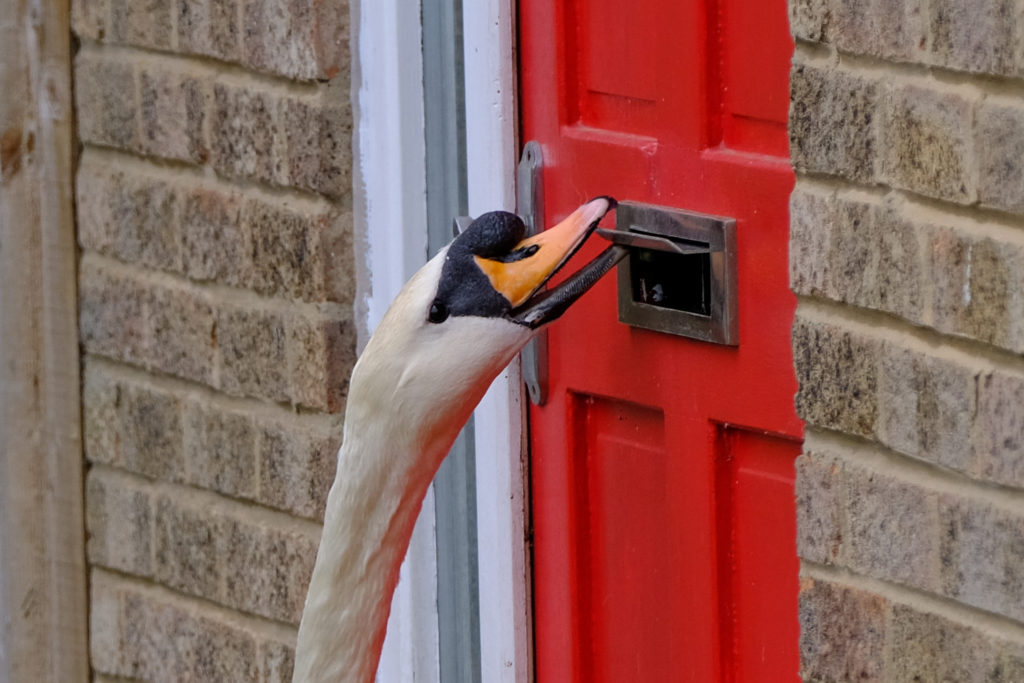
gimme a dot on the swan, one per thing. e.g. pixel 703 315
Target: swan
pixel 453 327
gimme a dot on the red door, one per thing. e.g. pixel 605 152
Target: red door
pixel 662 466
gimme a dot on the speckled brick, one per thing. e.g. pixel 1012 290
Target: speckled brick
pixel 892 528
pixel 335 176
pixel 881 28
pixel 808 19
pixel 101 398
pixel 978 287
pixel 150 432
pixel 111 313
pixel 857 264
pixel 147 635
pixel 223 652
pixel 926 143
pixel 276 37
pixel 975 35
pixel 209 27
pixel 321 353
pixel 243 132
pixel 331 38
pixel 126 214
pixel 892 280
pixel 253 352
pixel 999 141
pixel 183 341
pixel 236 555
pixel 1012 664
pixel 340 259
pixel 189 547
pixel 982 555
pixel 297 465
pixel 106 649
pixel 172 110
pixel 831 122
pixel 856 252
pixel 165 641
pixel 842 632
pixel 130 424
pixel 90 18
pixel 925 646
pixel 220 448
pixel 999 428
pixel 898 383
pixel 818 507
pixel 269 569
pixel 119 522
pixel 810 214
pixel 276 662
pixel 144 215
pixel 925 407
pixel 106 102
pixel 837 373
pixel 147 23
pixel 214 237
pixel 319 145
pixel 945 403
pixel 288 249
pixel 301 39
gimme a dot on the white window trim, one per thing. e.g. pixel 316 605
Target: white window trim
pixel 491 149
pixel 390 217
pixel 390 214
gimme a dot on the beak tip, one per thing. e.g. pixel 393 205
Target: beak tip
pixel 596 208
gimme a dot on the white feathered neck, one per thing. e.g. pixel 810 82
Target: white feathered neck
pixel 411 392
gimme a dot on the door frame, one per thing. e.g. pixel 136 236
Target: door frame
pixel 492 149
pixel 389 162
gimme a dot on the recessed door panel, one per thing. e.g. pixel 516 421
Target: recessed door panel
pixel 757 565
pixel 754 75
pixel 625 498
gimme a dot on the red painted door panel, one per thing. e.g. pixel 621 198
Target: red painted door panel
pixel 662 467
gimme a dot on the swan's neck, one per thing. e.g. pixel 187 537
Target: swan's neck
pixel 371 510
pixel 411 392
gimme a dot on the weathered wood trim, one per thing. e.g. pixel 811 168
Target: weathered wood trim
pixel 42 560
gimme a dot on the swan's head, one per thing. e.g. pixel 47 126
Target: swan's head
pixel 459 320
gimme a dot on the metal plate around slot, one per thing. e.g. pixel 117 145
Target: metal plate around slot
pixel 719 234
pixel 530 207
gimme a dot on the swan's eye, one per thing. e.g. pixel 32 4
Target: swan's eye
pixel 438 312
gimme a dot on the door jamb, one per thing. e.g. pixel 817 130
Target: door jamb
pixel 388 109
pixel 502 504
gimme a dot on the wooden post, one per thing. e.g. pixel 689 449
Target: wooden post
pixel 42 559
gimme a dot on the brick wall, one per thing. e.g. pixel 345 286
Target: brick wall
pixel 216 288
pixel 907 254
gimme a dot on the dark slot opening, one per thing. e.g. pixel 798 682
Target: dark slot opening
pixel 676 281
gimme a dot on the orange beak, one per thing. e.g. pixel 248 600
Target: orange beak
pixel 544 253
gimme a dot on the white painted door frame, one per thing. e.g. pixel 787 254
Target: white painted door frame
pixel 390 219
pixel 492 152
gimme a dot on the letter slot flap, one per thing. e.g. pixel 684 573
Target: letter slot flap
pixel 680 276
